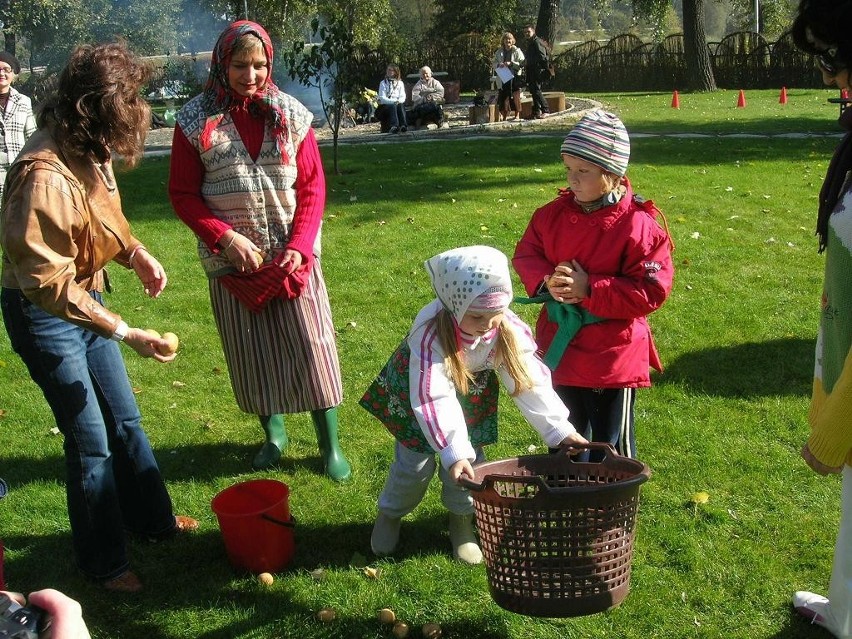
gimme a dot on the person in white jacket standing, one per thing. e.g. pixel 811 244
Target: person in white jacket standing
pixel 438 392
pixel 391 98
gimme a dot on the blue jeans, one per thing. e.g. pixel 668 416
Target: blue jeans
pixel 113 482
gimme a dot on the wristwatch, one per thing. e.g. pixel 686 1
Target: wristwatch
pixel 120 331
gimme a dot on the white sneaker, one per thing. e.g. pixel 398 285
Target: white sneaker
pixel 385 535
pixel 463 540
pixel 431 126
pixel 812 607
pixel 445 125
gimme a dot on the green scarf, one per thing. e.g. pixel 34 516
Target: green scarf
pixel 569 319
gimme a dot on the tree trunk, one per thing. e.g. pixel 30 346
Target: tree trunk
pixel 697 56
pixel 548 13
pixel 11 42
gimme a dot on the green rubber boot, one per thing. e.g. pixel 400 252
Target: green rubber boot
pixel 276 441
pixel 325 423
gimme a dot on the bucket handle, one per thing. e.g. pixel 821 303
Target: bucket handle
pixel 279 522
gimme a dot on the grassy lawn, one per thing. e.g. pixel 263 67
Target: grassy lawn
pixel 727 417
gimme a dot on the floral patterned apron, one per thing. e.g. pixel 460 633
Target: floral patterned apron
pixel 387 398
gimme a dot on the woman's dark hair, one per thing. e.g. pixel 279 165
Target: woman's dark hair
pixel 826 21
pixel 97 107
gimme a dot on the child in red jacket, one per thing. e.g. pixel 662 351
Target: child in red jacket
pixel 599 251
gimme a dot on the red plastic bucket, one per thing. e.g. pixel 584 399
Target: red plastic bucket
pixel 254 517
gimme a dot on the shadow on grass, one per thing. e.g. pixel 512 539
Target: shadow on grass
pixel 203 462
pixel 753 369
pixel 166 571
pixel 758 126
pixel 237 601
pixel 380 180
pixel 797 627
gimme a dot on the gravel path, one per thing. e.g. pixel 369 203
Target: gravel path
pixel 159 141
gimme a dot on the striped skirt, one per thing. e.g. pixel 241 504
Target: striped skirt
pixel 283 359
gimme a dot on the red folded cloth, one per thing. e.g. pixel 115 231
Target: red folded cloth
pixel 270 281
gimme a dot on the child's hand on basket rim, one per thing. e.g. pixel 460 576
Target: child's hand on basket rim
pixel 461 467
pixel 574 439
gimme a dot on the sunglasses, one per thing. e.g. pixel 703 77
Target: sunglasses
pixel 827 61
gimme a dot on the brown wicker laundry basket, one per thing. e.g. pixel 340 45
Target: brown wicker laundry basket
pixel 557 534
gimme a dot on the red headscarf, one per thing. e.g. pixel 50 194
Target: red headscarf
pixel 218 97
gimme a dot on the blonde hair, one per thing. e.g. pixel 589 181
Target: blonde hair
pixel 247 43
pixel 610 180
pixel 508 354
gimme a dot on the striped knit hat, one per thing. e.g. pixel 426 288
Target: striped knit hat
pixel 600 138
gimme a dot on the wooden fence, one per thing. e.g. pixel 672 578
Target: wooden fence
pixel 742 60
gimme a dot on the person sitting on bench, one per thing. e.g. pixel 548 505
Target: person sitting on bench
pixel 427 96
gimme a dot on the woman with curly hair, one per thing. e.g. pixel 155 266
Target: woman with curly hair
pixel 62 223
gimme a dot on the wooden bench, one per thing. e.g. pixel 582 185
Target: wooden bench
pixel 490 113
pixel 414 77
pixel 555 103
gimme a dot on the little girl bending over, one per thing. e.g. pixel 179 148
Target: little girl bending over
pixel 438 392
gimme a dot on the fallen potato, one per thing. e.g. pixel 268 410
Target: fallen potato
pixel 326 615
pixel 386 615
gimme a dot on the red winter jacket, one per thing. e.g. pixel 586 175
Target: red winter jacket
pixel 627 255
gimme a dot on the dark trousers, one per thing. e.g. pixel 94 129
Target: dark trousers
pixel 602 415
pixel 428 112
pixel 534 84
pixel 391 116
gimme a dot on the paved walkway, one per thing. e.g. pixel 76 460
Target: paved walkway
pixel 158 141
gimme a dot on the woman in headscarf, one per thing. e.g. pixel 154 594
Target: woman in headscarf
pixel 247 178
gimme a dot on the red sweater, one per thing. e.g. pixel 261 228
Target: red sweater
pixel 187 173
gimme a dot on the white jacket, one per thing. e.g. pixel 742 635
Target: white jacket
pixel 391 92
pixel 433 395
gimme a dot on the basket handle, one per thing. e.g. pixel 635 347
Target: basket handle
pixel 574 449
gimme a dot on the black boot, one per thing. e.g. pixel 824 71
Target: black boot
pixel 276 442
pixel 335 464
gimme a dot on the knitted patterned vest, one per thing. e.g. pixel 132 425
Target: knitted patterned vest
pixel 255 197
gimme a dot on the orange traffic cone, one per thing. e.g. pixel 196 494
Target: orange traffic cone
pixel 675 100
pixel 782 99
pixel 741 101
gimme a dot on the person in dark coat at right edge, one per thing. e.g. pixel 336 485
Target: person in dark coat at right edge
pixel 537 57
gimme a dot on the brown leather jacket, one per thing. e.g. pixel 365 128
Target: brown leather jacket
pixel 60 224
